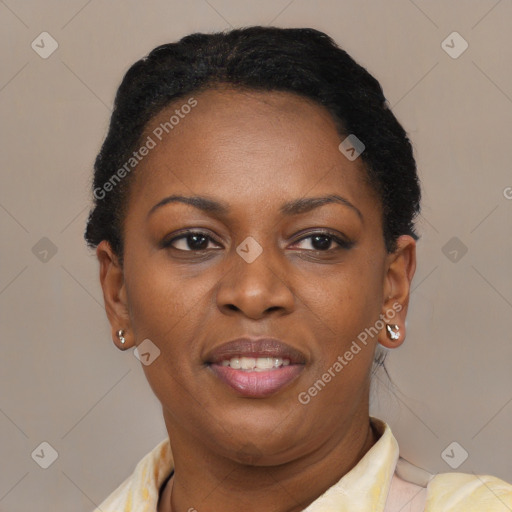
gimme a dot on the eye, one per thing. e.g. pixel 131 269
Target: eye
pixel 189 241
pixel 323 240
pixel 195 241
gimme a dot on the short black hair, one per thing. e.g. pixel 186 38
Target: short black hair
pixel 303 61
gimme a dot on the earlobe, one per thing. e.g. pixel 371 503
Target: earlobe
pixel 393 333
pixel 114 294
pixel 399 273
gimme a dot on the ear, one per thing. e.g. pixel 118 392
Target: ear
pixel 400 268
pixel 114 294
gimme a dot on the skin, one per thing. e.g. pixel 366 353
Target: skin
pixel 254 151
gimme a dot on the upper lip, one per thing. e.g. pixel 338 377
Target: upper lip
pixel 255 347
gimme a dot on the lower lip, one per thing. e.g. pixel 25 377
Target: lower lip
pixel 257 384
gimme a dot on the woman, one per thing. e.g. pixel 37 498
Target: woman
pixel 254 224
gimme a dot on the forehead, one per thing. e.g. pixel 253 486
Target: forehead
pixel 247 146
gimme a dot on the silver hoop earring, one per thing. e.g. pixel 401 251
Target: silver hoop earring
pixel 393 331
pixel 120 335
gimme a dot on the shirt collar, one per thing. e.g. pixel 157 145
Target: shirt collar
pixel 364 488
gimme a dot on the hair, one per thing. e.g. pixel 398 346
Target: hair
pixel 302 61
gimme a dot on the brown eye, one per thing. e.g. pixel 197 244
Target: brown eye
pixel 190 241
pixel 322 241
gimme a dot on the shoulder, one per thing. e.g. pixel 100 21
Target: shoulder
pixel 464 492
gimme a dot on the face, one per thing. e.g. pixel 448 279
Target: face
pixel 258 260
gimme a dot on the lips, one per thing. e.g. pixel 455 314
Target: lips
pixel 256 367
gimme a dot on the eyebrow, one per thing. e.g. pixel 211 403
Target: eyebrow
pixel 220 208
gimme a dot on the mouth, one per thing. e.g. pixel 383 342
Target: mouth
pixel 256 367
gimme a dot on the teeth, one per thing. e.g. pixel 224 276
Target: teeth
pixel 247 363
pixel 265 363
pixel 257 364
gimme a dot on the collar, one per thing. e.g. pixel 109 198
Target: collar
pixel 365 487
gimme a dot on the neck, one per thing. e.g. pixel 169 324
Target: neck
pixel 206 481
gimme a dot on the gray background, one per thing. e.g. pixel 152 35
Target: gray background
pixel 61 378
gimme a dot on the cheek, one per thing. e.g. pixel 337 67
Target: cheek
pixel 158 299
pixel 165 310
pixel 349 299
pixel 168 307
pixel 347 303
pixel 344 352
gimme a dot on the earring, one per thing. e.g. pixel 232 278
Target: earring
pixel 393 333
pixel 120 335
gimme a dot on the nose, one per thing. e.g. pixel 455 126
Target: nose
pixel 255 289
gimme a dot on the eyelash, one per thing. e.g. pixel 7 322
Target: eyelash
pixel 343 244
